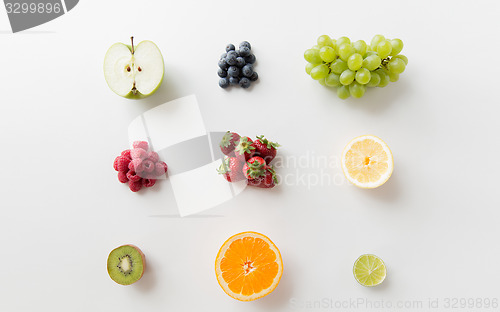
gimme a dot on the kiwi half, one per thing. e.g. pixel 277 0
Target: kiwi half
pixel 126 264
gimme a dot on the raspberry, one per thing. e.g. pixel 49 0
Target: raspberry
pixel 132 176
pixel 135 186
pixel 148 182
pixel 139 167
pixel 148 166
pixel 160 168
pixel 165 167
pixel 122 177
pixel 141 144
pixel 147 175
pixel 153 156
pixel 122 163
pixel 138 153
pixel 126 153
pixel 136 165
pixel 115 163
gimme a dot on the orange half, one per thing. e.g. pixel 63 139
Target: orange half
pixel 248 266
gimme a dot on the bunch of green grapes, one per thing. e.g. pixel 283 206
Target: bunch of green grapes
pixel 353 66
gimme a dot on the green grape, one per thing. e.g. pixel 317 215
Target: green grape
pixel 347 77
pixel 345 50
pixel 360 47
pixel 324 41
pixel 356 90
pixel 327 54
pixel 338 66
pixel 375 41
pixel 319 72
pixel 396 65
pixel 368 53
pixel 384 49
pixel 316 47
pixel 343 40
pixel 402 57
pixel 312 56
pixel 397 46
pixel 393 77
pixel 374 80
pixel 384 78
pixel 332 80
pixel 355 61
pixel 309 67
pixel 334 44
pixel 363 76
pixel 322 81
pixel 343 92
pixel 372 62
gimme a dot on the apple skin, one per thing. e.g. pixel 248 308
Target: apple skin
pixel 138 95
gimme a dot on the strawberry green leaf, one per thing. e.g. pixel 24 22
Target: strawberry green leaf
pixel 268 143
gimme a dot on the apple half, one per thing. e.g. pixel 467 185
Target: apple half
pixel 134 72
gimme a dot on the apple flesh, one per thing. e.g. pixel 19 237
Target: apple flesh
pixel 134 72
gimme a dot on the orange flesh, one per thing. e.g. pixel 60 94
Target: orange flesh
pixel 249 266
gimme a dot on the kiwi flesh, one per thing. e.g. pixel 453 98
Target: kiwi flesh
pixel 126 264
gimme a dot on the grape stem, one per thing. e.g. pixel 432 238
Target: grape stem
pixel 384 63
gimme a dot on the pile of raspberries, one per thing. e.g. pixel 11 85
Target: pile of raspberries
pixel 139 166
pixel 248 160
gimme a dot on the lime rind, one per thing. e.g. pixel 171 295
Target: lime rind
pixel 369 270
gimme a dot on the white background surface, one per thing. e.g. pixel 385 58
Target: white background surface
pixel 435 222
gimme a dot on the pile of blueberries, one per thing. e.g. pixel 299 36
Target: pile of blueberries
pixel 236 66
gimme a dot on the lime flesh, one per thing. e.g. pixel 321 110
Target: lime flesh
pixel 369 270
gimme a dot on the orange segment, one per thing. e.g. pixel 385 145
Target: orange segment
pixel 248 266
pixel 367 161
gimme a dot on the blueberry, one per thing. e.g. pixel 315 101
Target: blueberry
pixel 233 71
pixel 223 64
pixel 232 53
pixel 231 59
pixel 234 80
pixel 254 76
pixel 245 44
pixel 223 83
pixel 240 62
pixel 247 70
pixel 222 73
pixel 230 47
pixel 250 59
pixel 223 56
pixel 245 82
pixel 244 51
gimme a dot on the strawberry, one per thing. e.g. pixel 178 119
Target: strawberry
pixel 244 147
pixel 265 148
pixel 254 168
pixel 231 168
pixel 228 142
pixel 268 180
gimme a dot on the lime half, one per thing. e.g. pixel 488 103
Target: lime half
pixel 369 270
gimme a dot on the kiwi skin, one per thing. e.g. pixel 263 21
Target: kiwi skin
pixel 143 258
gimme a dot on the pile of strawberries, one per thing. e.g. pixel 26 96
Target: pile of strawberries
pixel 139 166
pixel 248 160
